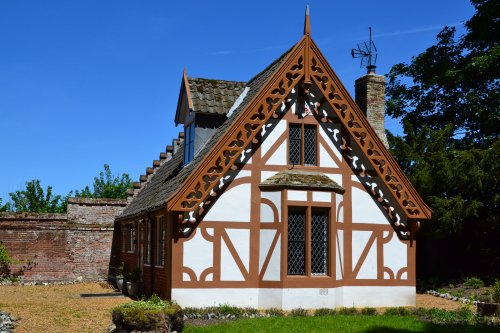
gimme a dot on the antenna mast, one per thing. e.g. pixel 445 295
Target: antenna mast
pixel 367 51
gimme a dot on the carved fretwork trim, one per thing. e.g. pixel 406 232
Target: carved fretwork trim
pixel 365 137
pixel 199 189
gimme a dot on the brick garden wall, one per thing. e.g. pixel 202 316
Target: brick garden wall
pixel 67 246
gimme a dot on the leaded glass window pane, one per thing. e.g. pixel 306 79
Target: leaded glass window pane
pixel 310 145
pixel 296 242
pixel 319 242
pixel 295 137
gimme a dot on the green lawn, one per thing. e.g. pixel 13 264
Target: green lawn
pixel 338 323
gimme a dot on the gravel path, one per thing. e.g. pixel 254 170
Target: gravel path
pixel 429 301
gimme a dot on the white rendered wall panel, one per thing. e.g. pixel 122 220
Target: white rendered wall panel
pixel 198 254
pixel 233 205
pixel 229 269
pixel 275 198
pixel 272 135
pixel 279 156
pixel 297 195
pixel 366 209
pixel 273 271
pixel 395 254
pixel 322 196
pixel 240 238
pixel 306 298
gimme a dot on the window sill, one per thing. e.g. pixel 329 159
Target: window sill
pixel 312 276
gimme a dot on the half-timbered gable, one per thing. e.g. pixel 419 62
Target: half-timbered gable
pixel 292 201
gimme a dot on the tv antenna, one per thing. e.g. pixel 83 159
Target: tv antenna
pixel 368 54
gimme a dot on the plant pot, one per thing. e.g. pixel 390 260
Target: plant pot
pixel 488 309
pixel 133 289
pixel 119 282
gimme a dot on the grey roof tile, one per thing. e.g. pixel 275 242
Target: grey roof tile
pixel 300 180
pixel 214 96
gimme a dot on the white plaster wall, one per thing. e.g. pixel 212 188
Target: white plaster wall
pixel 339 211
pixel 204 297
pixel 297 195
pixel 336 177
pixel 266 213
pixel 359 241
pixel 240 239
pixel 322 196
pixel 273 271
pixel 198 254
pixel 366 209
pixel 339 248
pixel 279 156
pixel 266 238
pixel 243 173
pixel 306 298
pixel 266 174
pixel 233 205
pixel 270 298
pixel 358 296
pixel 271 135
pixel 326 161
pixel 396 255
pixel 333 136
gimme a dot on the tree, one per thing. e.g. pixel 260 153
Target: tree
pixel 448 98
pixel 35 199
pixel 107 186
pixel 5 208
pixel 455 82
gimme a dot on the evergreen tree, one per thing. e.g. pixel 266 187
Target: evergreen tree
pixel 448 98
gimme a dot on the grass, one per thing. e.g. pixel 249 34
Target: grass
pixel 59 308
pixel 338 323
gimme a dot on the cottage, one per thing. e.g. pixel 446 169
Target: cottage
pixel 280 193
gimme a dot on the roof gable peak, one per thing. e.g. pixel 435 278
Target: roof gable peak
pixel 307 24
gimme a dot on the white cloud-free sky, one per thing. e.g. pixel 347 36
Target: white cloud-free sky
pixel 84 83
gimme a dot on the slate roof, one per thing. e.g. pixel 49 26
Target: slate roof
pixel 300 180
pixel 214 96
pixel 170 176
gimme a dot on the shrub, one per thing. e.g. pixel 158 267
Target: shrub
pixel 6 272
pixel 148 315
pixel 439 316
pixel 347 311
pixel 485 296
pixel 250 311
pixel 398 311
pixel 324 312
pixel 299 312
pixel 496 292
pixel 227 309
pixel 275 312
pixel 369 311
pixel 474 283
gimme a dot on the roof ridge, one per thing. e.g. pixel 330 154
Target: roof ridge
pixel 209 79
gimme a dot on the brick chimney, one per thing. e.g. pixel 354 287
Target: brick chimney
pixel 370 97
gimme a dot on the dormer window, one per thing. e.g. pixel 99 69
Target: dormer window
pixel 302 144
pixel 189 143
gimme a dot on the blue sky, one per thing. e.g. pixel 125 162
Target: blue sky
pixel 84 83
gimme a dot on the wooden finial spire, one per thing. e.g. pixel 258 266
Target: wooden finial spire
pixel 307 25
